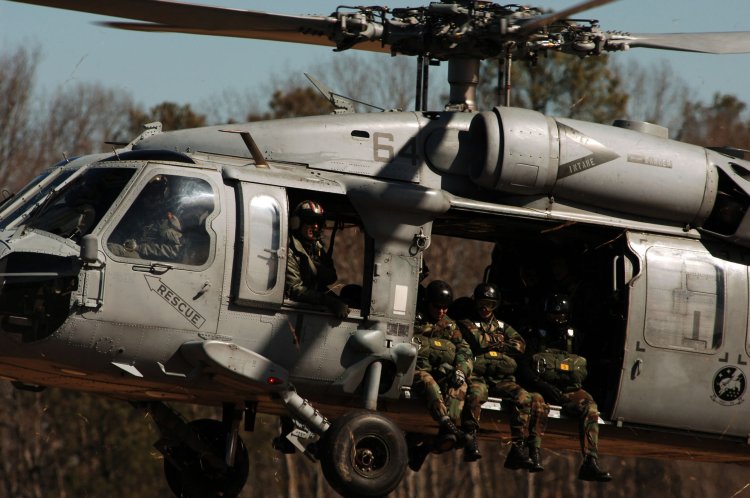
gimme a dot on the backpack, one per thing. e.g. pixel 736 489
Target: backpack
pixel 564 370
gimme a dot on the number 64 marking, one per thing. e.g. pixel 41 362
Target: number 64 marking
pixel 382 150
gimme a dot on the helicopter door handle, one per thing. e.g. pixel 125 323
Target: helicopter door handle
pixel 154 268
pixel 203 290
pixel 636 370
pixel 276 253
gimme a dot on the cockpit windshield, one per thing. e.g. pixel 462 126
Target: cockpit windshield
pixel 78 206
pixel 31 194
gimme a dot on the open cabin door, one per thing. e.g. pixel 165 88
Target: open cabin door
pixel 685 358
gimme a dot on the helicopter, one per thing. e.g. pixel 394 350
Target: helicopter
pixel 663 225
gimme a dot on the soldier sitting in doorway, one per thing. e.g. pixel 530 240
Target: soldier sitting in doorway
pixel 444 363
pixel 310 269
pixel 495 346
pixel 550 367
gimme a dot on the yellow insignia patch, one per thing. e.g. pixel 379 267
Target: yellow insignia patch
pixel 493 353
pixel 564 366
pixel 438 343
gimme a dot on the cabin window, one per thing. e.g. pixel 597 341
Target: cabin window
pixel 167 222
pixel 264 243
pixel 262 235
pixel 685 300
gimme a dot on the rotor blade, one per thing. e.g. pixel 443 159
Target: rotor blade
pixel 708 43
pixel 257 34
pixel 552 17
pixel 199 17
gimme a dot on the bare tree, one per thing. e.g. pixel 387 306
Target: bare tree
pixel 380 80
pixel 656 94
pixel 17 69
pixel 80 119
pixel 232 105
pixel 377 79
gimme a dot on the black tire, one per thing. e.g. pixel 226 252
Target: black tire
pixel 189 477
pixel 363 455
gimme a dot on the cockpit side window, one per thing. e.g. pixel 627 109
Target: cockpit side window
pixel 167 222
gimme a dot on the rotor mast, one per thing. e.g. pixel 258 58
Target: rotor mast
pixel 463 77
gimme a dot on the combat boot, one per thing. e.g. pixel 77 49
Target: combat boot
pixel 536 460
pixel 590 471
pixel 517 458
pixel 448 436
pixel 471 450
pixel 417 455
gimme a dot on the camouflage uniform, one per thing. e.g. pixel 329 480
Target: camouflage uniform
pixel 495 345
pixel 309 272
pixel 558 375
pixel 442 351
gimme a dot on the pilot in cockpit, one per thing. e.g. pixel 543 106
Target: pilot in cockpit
pixel 150 230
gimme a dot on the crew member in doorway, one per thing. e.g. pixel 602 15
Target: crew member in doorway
pixel 550 367
pixel 495 346
pixel 444 363
pixel 310 269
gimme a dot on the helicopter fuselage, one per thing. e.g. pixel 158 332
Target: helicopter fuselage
pixel 88 306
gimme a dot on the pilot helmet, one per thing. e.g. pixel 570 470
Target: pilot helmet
pixel 156 190
pixel 439 294
pixel 309 213
pixel 487 295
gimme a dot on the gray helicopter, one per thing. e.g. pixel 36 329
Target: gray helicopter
pixel 664 227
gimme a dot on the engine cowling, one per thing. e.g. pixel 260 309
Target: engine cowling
pixel 524 152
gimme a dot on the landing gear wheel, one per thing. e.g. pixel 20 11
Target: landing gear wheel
pixel 190 476
pixel 363 455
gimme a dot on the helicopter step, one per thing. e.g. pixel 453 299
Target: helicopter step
pixel 503 405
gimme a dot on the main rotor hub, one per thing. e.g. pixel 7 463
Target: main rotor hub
pixel 466 29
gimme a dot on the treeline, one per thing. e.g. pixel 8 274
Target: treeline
pixel 62 444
